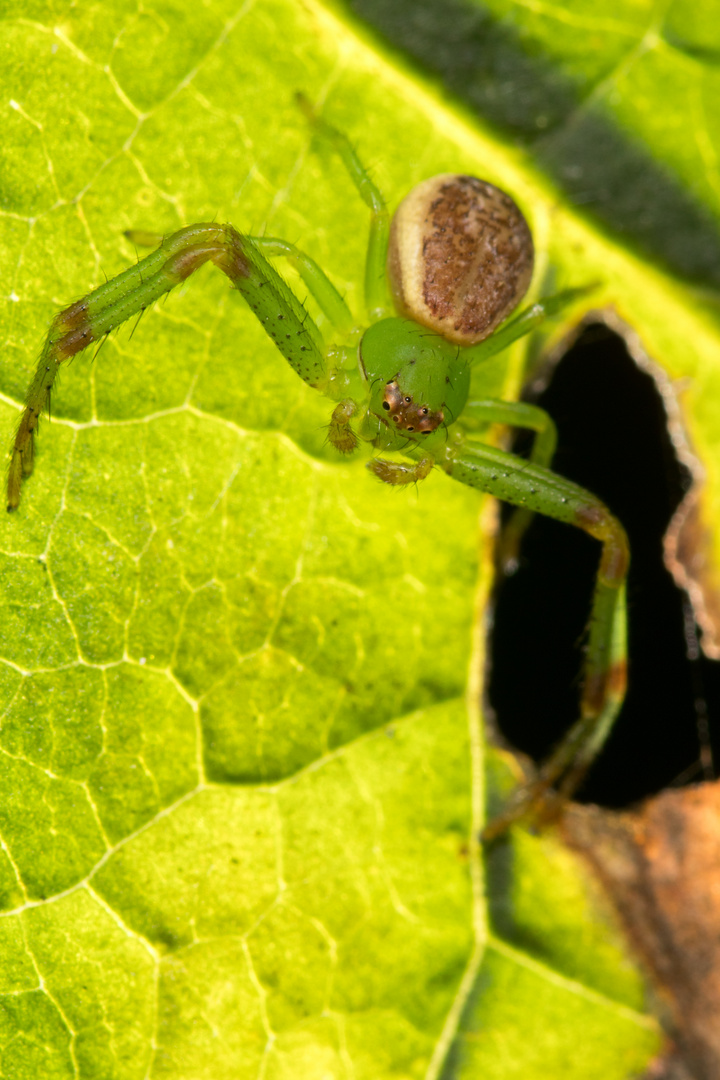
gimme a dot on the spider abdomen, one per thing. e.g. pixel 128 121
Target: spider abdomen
pixel 460 257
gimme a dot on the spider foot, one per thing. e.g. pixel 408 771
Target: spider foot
pixel 536 804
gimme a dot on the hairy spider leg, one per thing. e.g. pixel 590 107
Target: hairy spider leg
pixel 277 308
pixel 535 488
pixel 376 290
pixel 517 414
pixel 528 319
pixel 331 303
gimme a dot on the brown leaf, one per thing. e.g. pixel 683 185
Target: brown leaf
pixel 661 868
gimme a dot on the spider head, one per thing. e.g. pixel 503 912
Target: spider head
pixel 418 380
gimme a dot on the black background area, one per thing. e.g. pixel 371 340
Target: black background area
pixel 612 440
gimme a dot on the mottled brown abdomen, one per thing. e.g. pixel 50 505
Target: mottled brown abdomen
pixel 460 257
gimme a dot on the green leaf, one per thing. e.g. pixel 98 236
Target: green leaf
pixel 617 105
pixel 240 751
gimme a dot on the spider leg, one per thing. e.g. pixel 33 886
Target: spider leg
pixel 376 293
pixel 521 415
pixel 277 308
pixel 535 488
pixel 524 323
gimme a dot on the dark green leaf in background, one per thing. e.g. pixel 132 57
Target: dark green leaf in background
pixel 617 103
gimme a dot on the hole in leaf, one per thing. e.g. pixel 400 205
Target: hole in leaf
pixel 613 440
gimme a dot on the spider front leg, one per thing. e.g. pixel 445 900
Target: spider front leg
pixel 530 418
pixel 329 299
pixel 283 317
pixel 376 298
pixel 535 488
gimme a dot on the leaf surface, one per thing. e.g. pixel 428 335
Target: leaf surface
pixel 241 755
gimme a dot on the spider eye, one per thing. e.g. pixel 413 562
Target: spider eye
pixel 408 400
pixel 386 405
pixel 424 410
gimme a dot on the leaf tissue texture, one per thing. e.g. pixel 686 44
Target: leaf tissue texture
pixel 242 770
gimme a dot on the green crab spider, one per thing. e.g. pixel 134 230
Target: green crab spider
pixel 458 258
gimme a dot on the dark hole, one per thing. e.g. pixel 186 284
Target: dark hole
pixel 613 441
